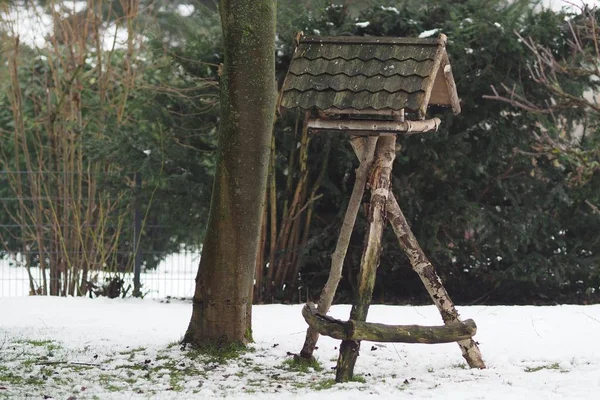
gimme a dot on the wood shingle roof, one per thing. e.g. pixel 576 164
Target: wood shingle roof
pixel 352 74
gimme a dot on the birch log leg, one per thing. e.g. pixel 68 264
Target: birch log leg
pixel 423 267
pixel 367 146
pixel 380 188
pixel 374 332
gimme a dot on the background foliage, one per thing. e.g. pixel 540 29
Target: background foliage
pixel 502 221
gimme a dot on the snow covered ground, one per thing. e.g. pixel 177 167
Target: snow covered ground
pixel 73 348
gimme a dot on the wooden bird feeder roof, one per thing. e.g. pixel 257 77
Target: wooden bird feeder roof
pixel 369 75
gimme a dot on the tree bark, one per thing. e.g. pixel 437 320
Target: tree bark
pixel 423 267
pixel 358 330
pixel 380 189
pixel 338 256
pixel 373 128
pixel 223 295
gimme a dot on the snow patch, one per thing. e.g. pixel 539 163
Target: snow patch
pixel 185 10
pixel 429 33
pixel 392 9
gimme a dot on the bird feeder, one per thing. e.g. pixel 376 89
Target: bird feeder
pixel 373 89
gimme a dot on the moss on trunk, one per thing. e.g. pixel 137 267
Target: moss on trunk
pixel 223 296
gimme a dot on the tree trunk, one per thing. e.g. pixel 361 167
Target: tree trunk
pixel 341 248
pixel 380 190
pixel 223 295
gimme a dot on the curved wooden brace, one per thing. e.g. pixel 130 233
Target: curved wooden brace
pixel 357 330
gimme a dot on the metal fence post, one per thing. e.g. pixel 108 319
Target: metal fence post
pixel 137 231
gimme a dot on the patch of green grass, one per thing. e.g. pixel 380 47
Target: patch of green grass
pixel 34 381
pixel 131 380
pixel 79 368
pixel 35 343
pixel 219 354
pixel 132 351
pixel 29 362
pixel 459 366
pixel 53 346
pixel 176 370
pixel 113 388
pixel 358 378
pixel 135 367
pixel 104 379
pixel 62 381
pixel 11 378
pixel 255 382
pixel 299 364
pixel 175 343
pixel 175 380
pixel 162 356
pixel 541 367
pixel 324 384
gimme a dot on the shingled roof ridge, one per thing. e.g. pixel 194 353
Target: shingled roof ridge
pixel 355 91
pixel 360 74
pixel 374 57
pixel 331 107
pixel 384 40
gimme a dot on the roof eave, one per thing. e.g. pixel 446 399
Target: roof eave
pixel 451 84
pixel 437 62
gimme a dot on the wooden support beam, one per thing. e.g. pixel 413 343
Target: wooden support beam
pixel 373 127
pixel 374 332
pixel 380 189
pixel 341 248
pixel 423 267
pixel 364 113
pixel 432 282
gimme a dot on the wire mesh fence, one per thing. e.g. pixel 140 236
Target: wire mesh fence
pixel 81 234
pixel 174 276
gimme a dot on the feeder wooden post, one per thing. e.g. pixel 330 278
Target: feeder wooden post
pixel 380 190
pixel 433 284
pixel 337 258
pixel 423 267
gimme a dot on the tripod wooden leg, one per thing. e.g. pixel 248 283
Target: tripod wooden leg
pixel 380 190
pixel 337 258
pixel 423 267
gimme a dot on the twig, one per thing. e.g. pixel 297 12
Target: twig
pixel 535 330
pixel 590 317
pixel 311 200
pixel 594 208
pixel 68 363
